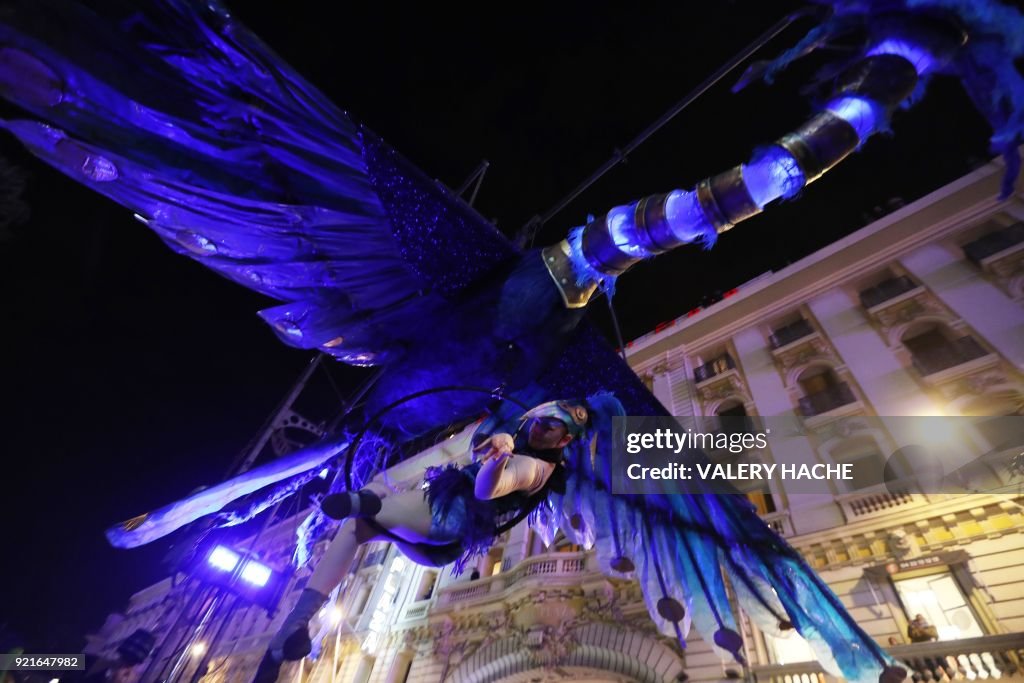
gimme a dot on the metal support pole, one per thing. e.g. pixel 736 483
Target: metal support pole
pixel 180 664
pixel 249 455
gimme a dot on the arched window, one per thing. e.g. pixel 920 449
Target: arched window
pixel 822 391
pixel 733 417
pixel 934 347
pixel 865 456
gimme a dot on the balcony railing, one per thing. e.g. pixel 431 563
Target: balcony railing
pixel 714 367
pixel 827 399
pixel 545 567
pixel 937 359
pixel 779 522
pixel 790 333
pixel 889 289
pixel 994 242
pixel 859 505
pixel 988 657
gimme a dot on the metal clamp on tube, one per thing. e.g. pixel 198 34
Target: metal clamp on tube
pixel 600 249
pixel 653 231
pixel 820 144
pixel 566 279
pixel 726 200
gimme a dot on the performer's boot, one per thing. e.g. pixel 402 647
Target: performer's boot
pixel 292 641
pixel 347 504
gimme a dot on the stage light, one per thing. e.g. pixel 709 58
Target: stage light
pixel 198 649
pixel 240 572
pixel 256 573
pixel 334 615
pixel 224 559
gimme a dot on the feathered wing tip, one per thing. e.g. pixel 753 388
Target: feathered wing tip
pixel 688 551
pixel 307 535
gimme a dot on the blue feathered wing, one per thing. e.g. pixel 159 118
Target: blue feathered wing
pixel 176 111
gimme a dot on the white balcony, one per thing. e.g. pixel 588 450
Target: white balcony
pixel 998 657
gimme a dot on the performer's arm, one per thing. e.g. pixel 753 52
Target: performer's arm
pixel 505 473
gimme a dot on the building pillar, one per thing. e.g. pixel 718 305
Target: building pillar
pixel 785 440
pixel 983 306
pixel 883 380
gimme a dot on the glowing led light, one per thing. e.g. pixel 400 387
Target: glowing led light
pixel 686 218
pixel 863 114
pixel 255 573
pixel 222 558
pixel 913 53
pixel 771 174
pixel 622 228
pixel 198 649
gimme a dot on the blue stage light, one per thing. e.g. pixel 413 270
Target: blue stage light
pixel 256 573
pixel 223 559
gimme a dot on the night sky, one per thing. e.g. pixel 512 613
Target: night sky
pixel 131 375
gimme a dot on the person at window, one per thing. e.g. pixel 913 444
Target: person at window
pixel 920 631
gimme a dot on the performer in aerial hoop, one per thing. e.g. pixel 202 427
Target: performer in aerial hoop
pixel 453 516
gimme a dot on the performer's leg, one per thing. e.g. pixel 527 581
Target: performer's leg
pixel 407 515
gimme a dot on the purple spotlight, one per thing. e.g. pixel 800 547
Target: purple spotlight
pixel 256 573
pixel 223 559
pixel 920 57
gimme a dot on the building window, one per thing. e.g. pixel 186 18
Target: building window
pixel 733 418
pixel 939 600
pixel 763 500
pixel 1002 432
pixel 994 242
pixel 866 459
pixel 934 348
pixel 822 391
pixel 715 366
pixel 885 290
pixel 427 584
pixel 790 649
pixel 787 334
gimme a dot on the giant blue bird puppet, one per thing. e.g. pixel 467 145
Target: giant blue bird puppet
pixel 176 111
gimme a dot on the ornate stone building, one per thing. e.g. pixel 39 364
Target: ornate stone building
pixel 919 313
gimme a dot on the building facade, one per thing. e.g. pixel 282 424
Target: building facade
pixel 920 313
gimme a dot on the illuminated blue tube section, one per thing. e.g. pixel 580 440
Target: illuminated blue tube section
pixel 919 56
pixel 771 174
pixel 864 115
pixel 622 228
pixel 686 218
